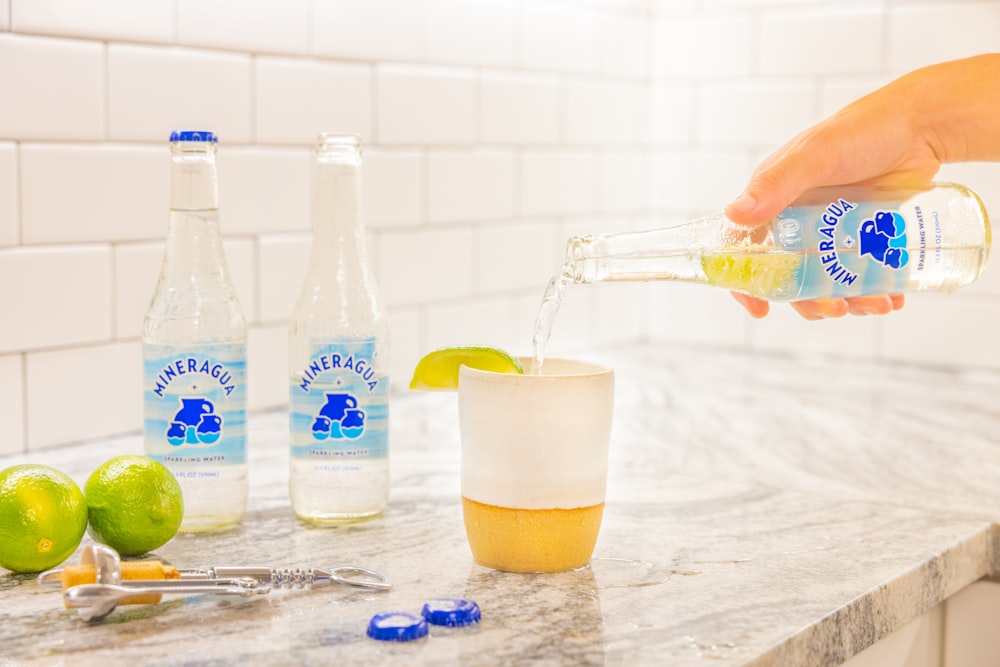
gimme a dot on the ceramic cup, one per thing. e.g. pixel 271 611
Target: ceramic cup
pixel 535 463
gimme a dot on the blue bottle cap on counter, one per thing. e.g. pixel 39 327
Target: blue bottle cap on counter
pixel 194 135
pixel 396 626
pixel 451 612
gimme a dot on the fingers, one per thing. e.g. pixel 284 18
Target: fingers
pixel 858 305
pixel 875 305
pixel 821 309
pixel 755 307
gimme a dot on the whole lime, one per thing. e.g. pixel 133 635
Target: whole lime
pixel 43 516
pixel 134 504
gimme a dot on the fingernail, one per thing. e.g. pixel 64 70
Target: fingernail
pixel 744 203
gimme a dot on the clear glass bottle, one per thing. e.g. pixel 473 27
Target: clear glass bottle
pixel 338 356
pixel 831 243
pixel 194 349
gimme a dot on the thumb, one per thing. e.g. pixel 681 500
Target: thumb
pixel 777 182
pixel 765 196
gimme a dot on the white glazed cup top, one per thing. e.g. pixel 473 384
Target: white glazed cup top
pixel 536 441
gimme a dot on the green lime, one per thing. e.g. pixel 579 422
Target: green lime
pixel 43 516
pixel 134 504
pixel 754 271
pixel 439 369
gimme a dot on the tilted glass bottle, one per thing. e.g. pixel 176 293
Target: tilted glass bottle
pixel 194 349
pixel 832 242
pixel 338 356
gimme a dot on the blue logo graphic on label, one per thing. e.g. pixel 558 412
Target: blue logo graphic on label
pixel 339 418
pixel 195 403
pixel 195 423
pixel 884 239
pixel 338 402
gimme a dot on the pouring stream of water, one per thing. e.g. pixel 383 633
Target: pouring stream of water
pixel 551 301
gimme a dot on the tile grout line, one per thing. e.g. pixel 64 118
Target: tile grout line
pixel 24 401
pixel 23 354
pixel 106 53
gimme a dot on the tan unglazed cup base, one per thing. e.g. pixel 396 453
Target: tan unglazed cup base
pixel 519 540
pixel 535 463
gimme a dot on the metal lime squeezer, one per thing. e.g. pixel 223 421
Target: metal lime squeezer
pixel 101 581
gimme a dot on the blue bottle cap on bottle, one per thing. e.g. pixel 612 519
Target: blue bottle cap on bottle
pixel 396 626
pixel 452 612
pixel 194 135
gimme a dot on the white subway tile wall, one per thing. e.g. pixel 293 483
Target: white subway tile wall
pixel 427 265
pixel 148 21
pixel 153 89
pixel 518 256
pixel 368 30
pixel 488 321
pixel 406 341
pixel 82 393
pixel 559 36
pixel 55 296
pixel 691 45
pixel 480 32
pixel 9 196
pixel 558 181
pixel 421 105
pixel 920 33
pixel 265 190
pixel 520 108
pixel 258 26
pixel 771 112
pixel 298 98
pixel 267 367
pixel 786 35
pixel 492 130
pixel 399 172
pixel 465 185
pixel 12 407
pixel 53 88
pixel 137 266
pixel 105 192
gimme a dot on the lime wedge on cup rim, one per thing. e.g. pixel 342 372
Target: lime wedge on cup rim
pixel 438 370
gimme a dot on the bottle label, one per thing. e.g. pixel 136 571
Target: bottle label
pixel 195 404
pixel 339 406
pixel 852 247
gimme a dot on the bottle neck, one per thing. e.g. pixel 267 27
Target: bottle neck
pixel 194 300
pixel 672 253
pixel 194 241
pixel 338 222
pixel 193 177
pixel 337 215
pixel 339 291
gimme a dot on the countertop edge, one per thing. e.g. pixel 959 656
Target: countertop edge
pixel 877 613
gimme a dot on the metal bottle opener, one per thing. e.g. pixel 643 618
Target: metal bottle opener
pixel 100 582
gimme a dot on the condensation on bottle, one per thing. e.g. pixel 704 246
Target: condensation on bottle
pixel 338 356
pixel 194 349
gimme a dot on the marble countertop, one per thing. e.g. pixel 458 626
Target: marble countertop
pixel 760 511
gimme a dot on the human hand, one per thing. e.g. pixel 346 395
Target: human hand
pixel 897 136
pixel 825 308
